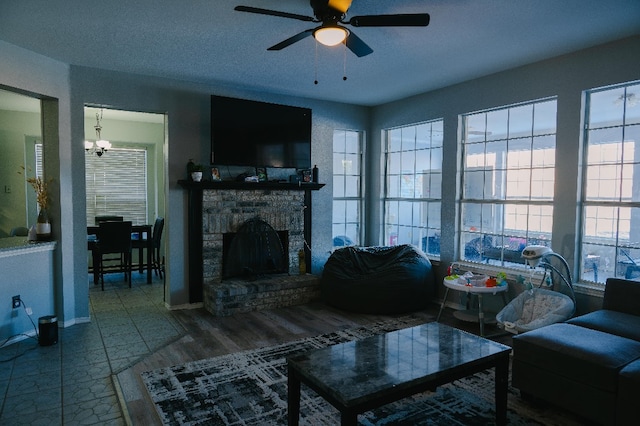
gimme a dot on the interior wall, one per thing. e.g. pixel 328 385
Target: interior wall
pixel 48 80
pixel 565 77
pixel 188 122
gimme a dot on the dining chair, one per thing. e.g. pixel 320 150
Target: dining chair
pixel 158 226
pixel 115 238
pixel 107 218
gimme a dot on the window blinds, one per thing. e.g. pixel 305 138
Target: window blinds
pixel 117 184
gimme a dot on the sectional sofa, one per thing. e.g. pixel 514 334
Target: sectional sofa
pixel 590 364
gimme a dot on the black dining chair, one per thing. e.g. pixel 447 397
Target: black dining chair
pixel 158 226
pixel 107 218
pixel 115 238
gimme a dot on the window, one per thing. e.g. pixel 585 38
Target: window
pixel 347 187
pixel 507 181
pixel 117 184
pixel 413 185
pixel 610 245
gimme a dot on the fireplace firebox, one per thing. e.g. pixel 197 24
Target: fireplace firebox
pixel 254 251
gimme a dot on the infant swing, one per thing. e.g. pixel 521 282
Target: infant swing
pixel 553 300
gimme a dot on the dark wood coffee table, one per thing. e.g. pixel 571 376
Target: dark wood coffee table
pixel 361 375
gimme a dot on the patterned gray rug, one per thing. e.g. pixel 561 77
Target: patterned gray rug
pixel 250 388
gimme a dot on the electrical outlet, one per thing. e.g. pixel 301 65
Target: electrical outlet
pixel 15 302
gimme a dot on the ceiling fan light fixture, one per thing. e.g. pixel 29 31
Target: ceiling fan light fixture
pixel 330 35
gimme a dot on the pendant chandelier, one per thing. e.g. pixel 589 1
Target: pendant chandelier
pixel 101 145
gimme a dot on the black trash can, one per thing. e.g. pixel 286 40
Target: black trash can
pixel 48 330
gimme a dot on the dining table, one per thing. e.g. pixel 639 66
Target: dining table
pixel 141 238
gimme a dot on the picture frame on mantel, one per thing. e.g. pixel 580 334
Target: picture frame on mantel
pixel 215 174
pixel 261 172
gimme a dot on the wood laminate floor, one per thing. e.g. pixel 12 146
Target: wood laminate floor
pixel 208 336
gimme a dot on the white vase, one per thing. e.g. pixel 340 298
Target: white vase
pixel 196 176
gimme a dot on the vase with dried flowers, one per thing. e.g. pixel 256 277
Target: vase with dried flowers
pixel 43 224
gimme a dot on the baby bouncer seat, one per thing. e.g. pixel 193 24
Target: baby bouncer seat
pixel 552 301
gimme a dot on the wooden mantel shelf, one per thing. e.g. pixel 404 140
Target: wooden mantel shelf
pixel 248 186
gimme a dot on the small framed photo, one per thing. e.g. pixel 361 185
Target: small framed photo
pixel 305 175
pixel 215 173
pixel 261 172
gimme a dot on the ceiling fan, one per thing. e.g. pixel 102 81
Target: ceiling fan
pixel 331 14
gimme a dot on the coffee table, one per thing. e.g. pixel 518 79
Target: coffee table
pixel 359 376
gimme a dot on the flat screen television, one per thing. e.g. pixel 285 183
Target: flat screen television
pixel 259 134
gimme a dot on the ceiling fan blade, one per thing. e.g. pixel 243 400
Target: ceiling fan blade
pixel 357 46
pixel 274 13
pixel 340 5
pixel 399 20
pixel 291 40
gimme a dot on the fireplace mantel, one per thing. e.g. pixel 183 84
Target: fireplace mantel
pixel 258 186
pixel 195 192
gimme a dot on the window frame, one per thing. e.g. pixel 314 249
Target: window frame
pixel 599 253
pixel 342 200
pixel 498 203
pixel 408 186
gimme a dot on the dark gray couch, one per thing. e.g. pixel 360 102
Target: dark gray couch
pixel 590 364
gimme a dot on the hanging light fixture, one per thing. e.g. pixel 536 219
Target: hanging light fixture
pixel 101 145
pixel 330 35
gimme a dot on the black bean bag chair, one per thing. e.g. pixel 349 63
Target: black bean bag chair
pixel 378 280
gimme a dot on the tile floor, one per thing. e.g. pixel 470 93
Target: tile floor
pixel 70 383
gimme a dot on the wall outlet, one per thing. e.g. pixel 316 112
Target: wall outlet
pixel 15 302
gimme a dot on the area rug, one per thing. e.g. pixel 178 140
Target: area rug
pixel 250 388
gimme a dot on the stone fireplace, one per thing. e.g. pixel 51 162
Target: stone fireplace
pixel 225 211
pixel 216 211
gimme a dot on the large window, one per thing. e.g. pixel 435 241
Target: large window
pixel 610 243
pixel 117 184
pixel 508 181
pixel 413 185
pixel 347 187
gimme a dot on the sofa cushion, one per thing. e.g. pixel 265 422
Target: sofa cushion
pixel 622 296
pixel 584 355
pixel 628 409
pixel 614 322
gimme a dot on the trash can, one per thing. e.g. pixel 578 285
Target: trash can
pixel 48 330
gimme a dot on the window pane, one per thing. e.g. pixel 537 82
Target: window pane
pixel 352 186
pixel 521 121
pixel 544 118
pixel 497 123
pixel 338 141
pixel 606 108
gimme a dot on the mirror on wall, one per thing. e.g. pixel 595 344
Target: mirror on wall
pixel 20 154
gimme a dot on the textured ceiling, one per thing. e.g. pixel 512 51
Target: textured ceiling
pixel 206 41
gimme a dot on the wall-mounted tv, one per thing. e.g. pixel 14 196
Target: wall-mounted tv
pixel 259 134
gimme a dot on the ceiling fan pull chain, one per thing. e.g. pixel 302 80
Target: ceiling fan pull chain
pixel 315 81
pixel 344 67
